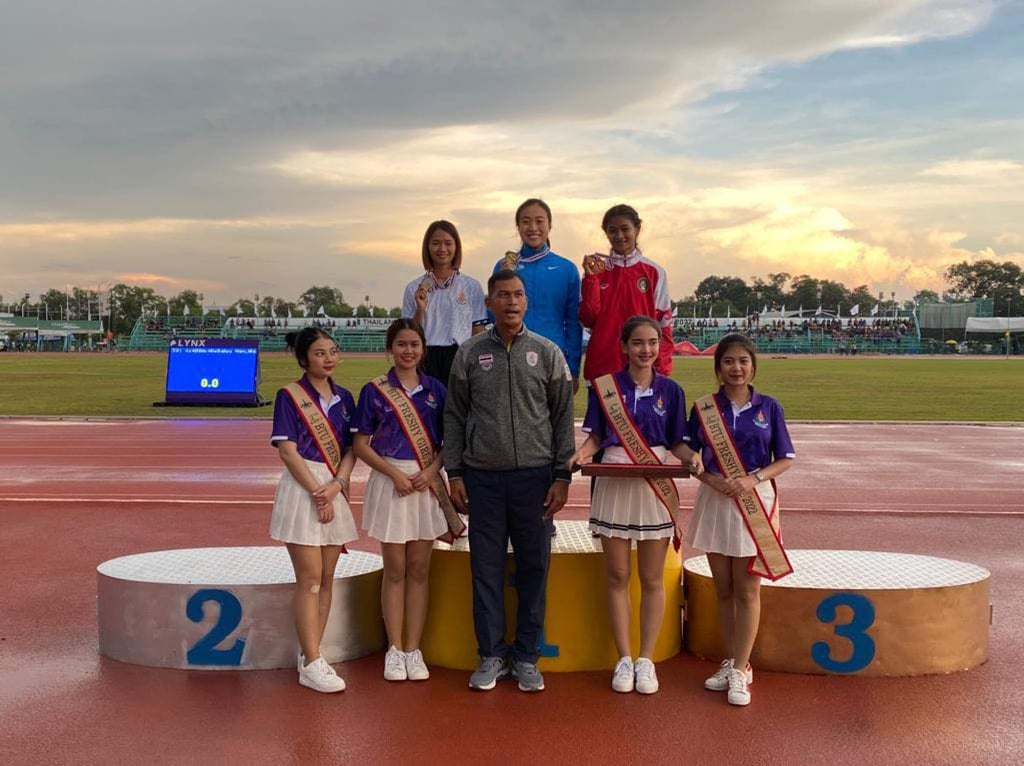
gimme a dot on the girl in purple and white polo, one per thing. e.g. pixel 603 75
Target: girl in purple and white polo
pixel 758 429
pixel 399 508
pixel 311 513
pixel 626 509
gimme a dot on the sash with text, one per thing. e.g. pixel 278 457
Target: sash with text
pixel 637 448
pixel 323 433
pixel 416 433
pixel 771 561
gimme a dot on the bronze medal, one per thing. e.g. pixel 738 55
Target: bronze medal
pixel 596 263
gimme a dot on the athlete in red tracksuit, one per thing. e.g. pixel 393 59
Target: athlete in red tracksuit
pixel 618 286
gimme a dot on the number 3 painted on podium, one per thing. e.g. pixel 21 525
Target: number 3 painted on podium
pixel 853 631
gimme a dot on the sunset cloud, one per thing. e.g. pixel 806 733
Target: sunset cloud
pixel 243 149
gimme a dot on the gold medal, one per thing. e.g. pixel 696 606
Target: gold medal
pixel 511 259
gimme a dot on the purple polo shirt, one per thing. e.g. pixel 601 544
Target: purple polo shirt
pixel 759 431
pixel 289 425
pixel 376 418
pixel 659 412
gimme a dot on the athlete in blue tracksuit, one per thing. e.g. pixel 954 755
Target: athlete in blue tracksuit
pixel 552 284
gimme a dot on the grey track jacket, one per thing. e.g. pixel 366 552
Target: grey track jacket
pixel 508 408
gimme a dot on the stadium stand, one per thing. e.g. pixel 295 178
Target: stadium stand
pixel 353 335
pixel 774 333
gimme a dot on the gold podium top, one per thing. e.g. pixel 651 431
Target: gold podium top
pixel 573 537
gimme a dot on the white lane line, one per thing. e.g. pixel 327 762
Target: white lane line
pixel 136 500
pixel 981 511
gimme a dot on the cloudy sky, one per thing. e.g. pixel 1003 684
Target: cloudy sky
pixel 255 147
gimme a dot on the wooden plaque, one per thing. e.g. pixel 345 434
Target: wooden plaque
pixel 626 471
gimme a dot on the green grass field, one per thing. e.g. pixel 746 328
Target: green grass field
pixel 842 388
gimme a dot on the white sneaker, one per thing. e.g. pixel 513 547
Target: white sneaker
pixel 300 662
pixel 319 676
pixel 622 678
pixel 719 682
pixel 646 678
pixel 738 692
pixel 394 665
pixel 415 668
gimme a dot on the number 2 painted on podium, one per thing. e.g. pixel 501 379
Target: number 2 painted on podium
pixel 204 651
pixel 854 631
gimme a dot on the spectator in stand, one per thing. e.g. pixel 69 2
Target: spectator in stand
pixel 617 286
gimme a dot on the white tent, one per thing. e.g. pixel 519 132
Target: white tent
pixel 994 324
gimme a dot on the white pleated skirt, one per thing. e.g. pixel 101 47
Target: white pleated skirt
pixel 717 525
pixel 628 508
pixel 393 519
pixel 295 520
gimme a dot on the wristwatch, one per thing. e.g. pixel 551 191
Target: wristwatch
pixel 759 475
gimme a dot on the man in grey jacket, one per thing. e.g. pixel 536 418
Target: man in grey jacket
pixel 508 433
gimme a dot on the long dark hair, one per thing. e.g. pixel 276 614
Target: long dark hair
pixel 299 341
pixel 736 339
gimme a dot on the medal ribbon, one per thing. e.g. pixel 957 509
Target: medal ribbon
pixel 435 285
pixel 514 257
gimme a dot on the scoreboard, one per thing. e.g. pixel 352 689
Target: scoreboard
pixel 217 371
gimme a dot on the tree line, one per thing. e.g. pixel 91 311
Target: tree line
pixel 121 305
pixel 1003 283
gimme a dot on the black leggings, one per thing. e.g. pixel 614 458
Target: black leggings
pixel 438 362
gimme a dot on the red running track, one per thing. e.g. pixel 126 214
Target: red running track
pixel 76 493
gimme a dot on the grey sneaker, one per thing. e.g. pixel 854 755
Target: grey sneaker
pixel 488 673
pixel 530 679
